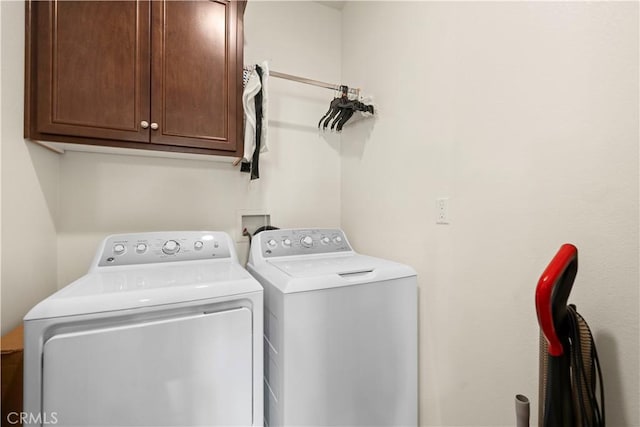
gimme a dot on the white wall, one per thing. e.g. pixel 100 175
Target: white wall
pixel 1 171
pixel 525 114
pixel 300 176
pixel 29 188
pixel 1 323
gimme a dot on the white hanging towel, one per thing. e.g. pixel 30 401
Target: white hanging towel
pixel 251 89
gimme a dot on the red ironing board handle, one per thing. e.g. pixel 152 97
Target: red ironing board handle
pixel 552 293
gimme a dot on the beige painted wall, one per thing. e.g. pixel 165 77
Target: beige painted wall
pixel 525 114
pixel 29 188
pixel 300 176
pixel 1 323
pixel 1 171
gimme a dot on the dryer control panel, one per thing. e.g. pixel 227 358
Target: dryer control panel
pixel 275 243
pixel 157 247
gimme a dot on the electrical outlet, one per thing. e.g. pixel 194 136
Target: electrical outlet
pixel 442 210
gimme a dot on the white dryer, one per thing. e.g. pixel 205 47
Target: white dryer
pixel 341 338
pixel 164 330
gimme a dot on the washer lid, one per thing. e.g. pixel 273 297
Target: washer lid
pixel 313 273
pixel 145 286
pixel 311 267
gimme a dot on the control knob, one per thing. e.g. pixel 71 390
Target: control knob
pixel 170 247
pixel 272 243
pixel 119 249
pixel 306 241
pixel 198 245
pixel 287 243
pixel 325 240
pixel 337 240
pixel 141 248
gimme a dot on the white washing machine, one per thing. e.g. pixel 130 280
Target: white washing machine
pixel 164 330
pixel 341 332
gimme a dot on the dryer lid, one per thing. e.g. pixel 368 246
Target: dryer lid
pixel 136 287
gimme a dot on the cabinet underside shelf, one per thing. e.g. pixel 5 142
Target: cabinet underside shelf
pixel 61 148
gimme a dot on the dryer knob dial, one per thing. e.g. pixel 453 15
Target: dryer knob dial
pixel 306 241
pixel 325 240
pixel 141 248
pixel 170 247
pixel 119 249
pixel 272 243
pixel 287 243
pixel 337 240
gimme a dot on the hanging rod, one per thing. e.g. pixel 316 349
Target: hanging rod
pixel 353 91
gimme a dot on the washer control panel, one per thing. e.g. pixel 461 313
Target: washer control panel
pixel 274 243
pixel 149 248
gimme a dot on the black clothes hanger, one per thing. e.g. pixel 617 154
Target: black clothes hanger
pixel 341 109
pixel 334 113
pixel 365 108
pixel 332 108
pixel 345 114
pixel 348 108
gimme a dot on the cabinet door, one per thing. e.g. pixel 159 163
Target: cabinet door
pixel 196 76
pixel 92 60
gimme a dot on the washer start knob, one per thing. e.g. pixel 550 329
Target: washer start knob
pixel 170 247
pixel 306 241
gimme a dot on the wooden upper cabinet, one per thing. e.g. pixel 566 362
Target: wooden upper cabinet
pixel 193 79
pixel 160 75
pixel 91 71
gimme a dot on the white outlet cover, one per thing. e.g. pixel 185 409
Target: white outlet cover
pixel 442 210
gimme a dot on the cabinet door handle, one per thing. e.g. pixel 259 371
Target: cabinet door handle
pixel 144 124
pixel 154 126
